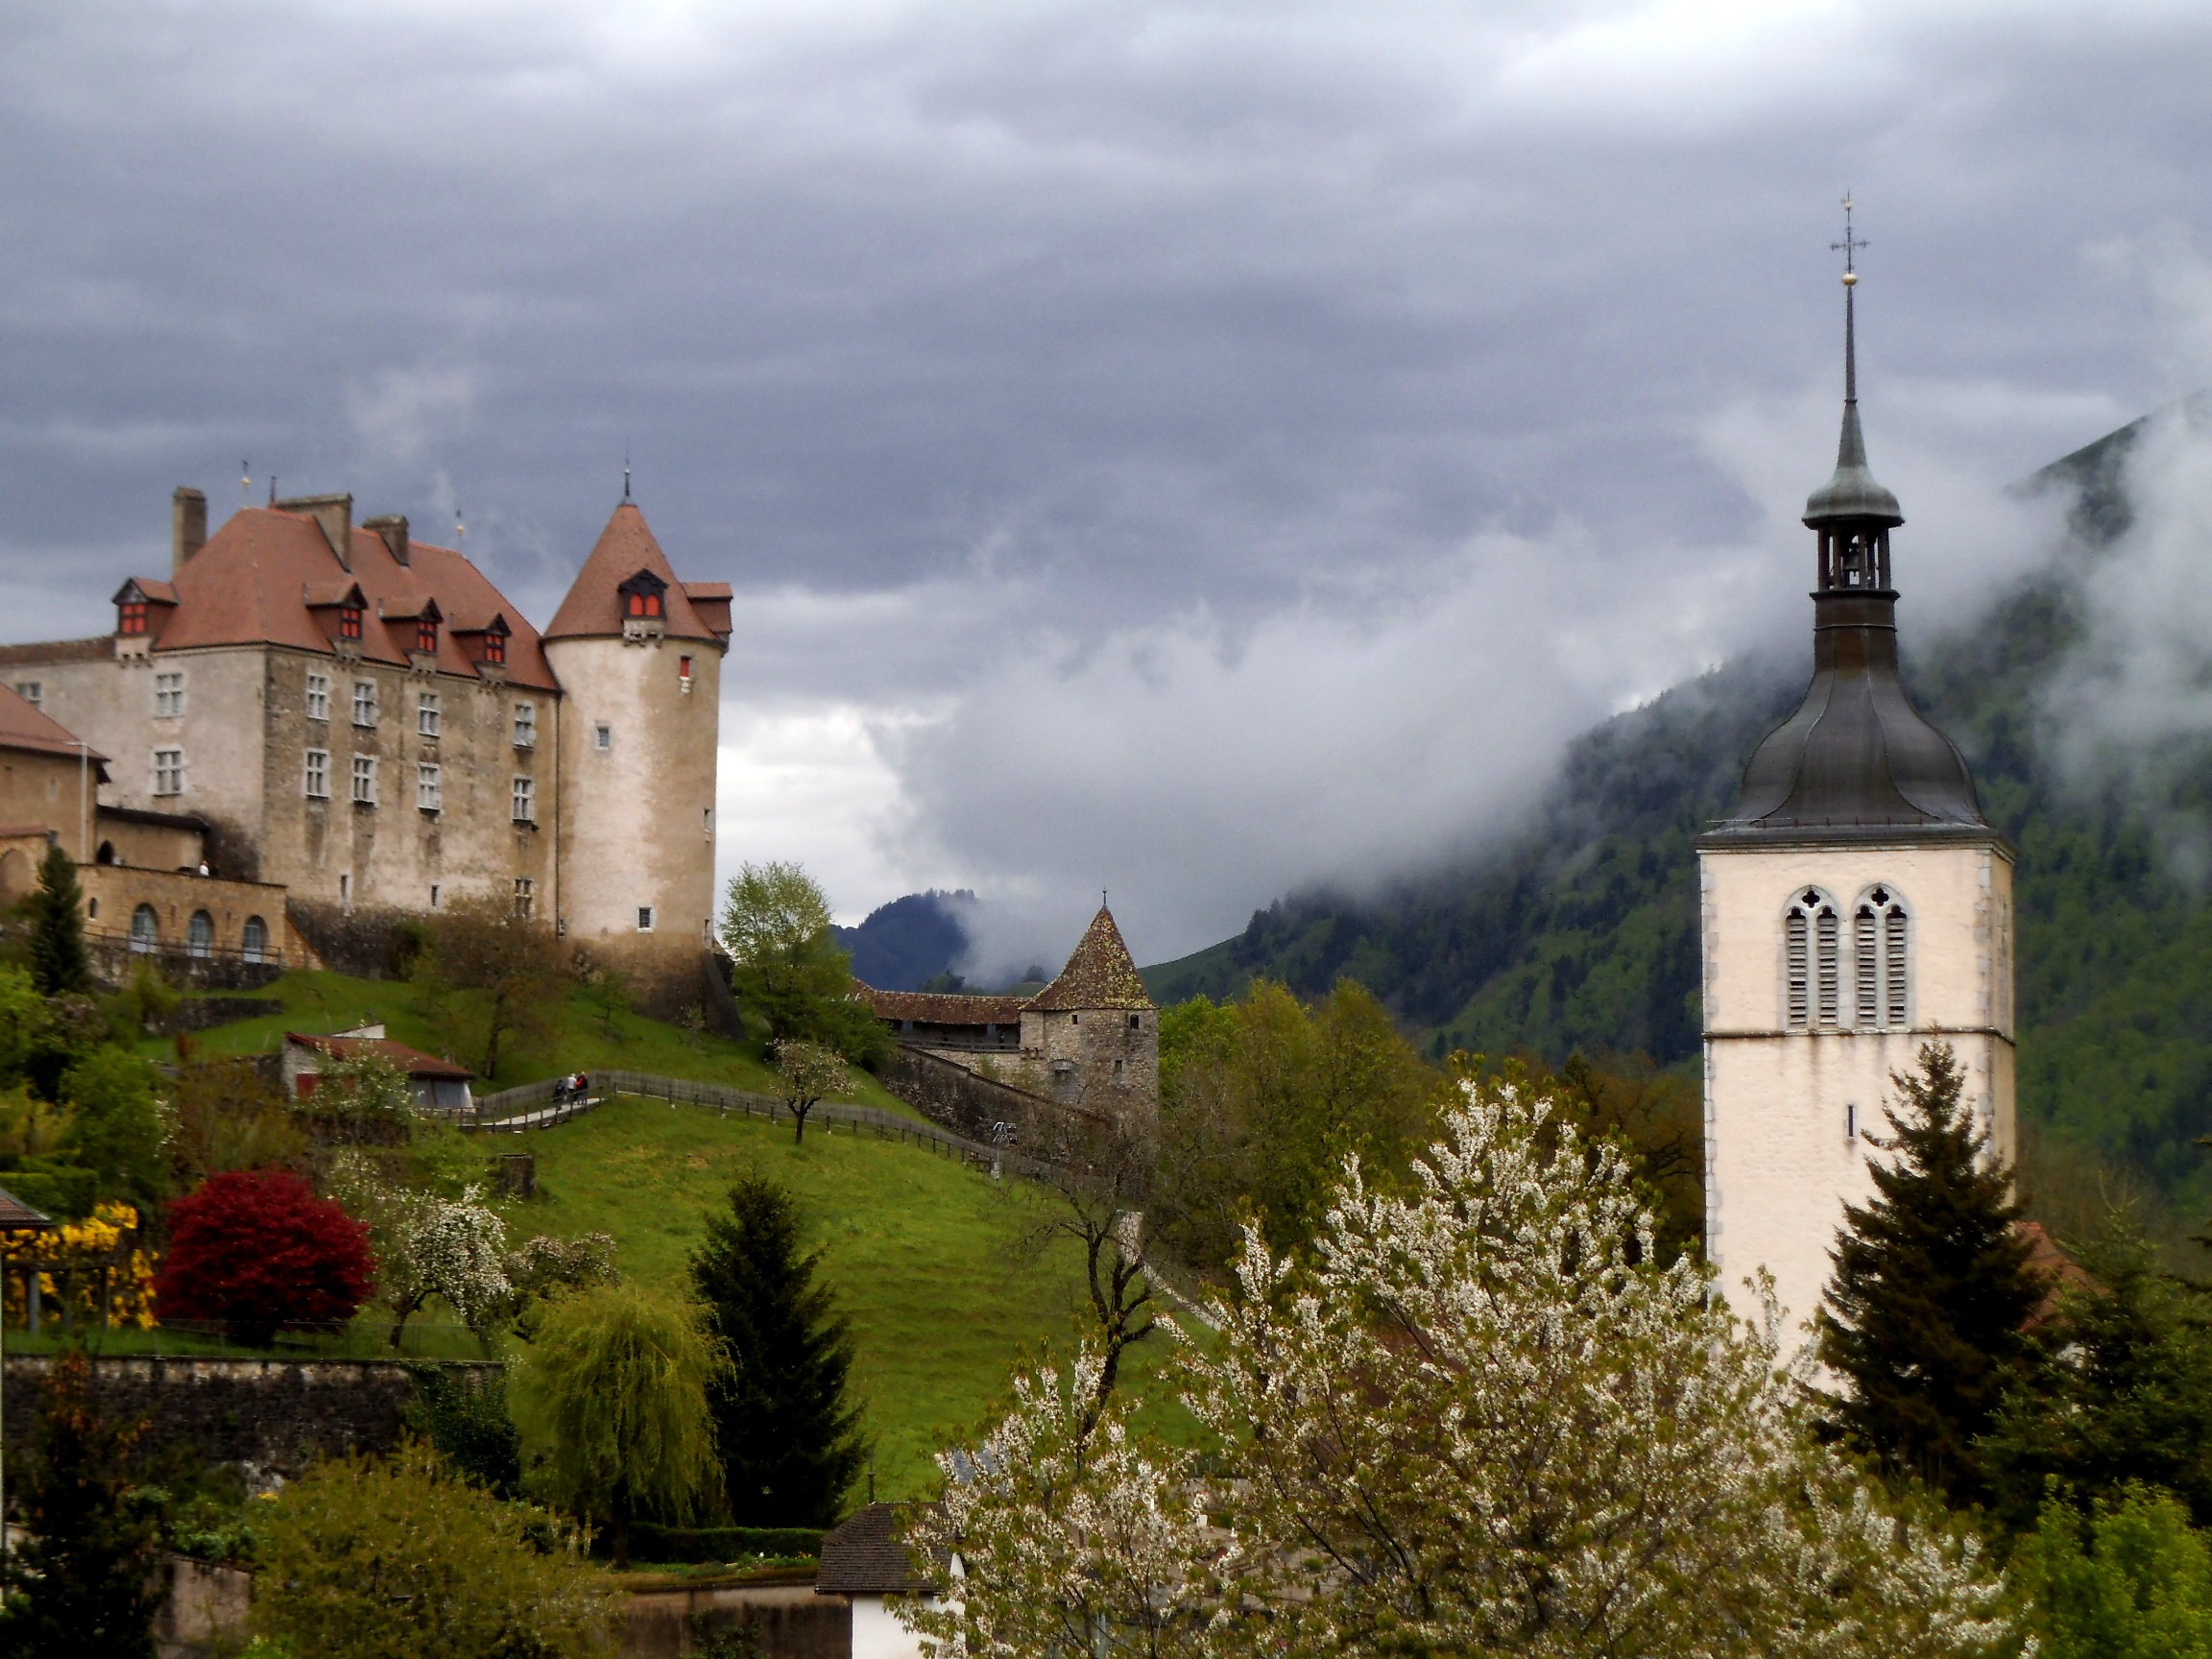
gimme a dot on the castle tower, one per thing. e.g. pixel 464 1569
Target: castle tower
pixel 1094 1033
pixel 638 654
pixel 1856 905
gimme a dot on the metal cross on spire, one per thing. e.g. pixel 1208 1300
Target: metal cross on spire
pixel 1849 248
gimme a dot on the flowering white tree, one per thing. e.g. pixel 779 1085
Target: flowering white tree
pixel 426 1244
pixel 1480 1418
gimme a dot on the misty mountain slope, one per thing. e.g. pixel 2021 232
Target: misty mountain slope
pixel 901 945
pixel 1580 929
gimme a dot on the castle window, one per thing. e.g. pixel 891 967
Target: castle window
pixel 645 917
pixel 603 737
pixel 364 702
pixel 365 780
pixel 643 602
pixel 349 621
pixel 200 934
pixel 426 713
pixel 429 792
pixel 144 928
pixel 426 635
pixel 684 674
pixel 130 617
pixel 168 696
pixel 496 647
pixel 525 801
pixel 318 696
pixel 92 907
pixel 436 893
pixel 254 942
pixel 168 771
pixel 525 725
pixel 1136 1023
pixel 317 775
pixel 346 890
pixel 32 692
pixel 525 896
pixel 1812 974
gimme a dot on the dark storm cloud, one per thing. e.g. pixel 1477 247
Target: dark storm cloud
pixel 1196 447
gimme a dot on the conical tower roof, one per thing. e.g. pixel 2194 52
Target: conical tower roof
pixel 593 606
pixel 1101 973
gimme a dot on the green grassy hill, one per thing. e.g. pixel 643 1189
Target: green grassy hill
pixel 927 1256
pixel 1580 929
pixel 932 1260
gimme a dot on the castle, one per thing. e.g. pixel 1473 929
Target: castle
pixel 313 712
pixel 1856 905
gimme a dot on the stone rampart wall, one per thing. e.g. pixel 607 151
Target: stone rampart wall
pixel 277 1415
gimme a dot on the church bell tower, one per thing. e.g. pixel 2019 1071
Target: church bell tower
pixel 1856 905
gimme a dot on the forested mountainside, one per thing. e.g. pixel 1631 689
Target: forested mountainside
pixel 1580 929
pixel 910 942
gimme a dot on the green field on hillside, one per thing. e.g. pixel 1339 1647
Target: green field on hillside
pixel 925 1253
pixel 323 1002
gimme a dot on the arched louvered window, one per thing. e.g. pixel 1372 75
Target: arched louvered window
pixel 1881 936
pixel 1812 934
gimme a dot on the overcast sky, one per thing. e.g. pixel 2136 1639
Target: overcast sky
pixel 1190 449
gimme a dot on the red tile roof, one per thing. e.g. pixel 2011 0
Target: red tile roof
pixel 23 725
pixel 18 1216
pixel 593 609
pixel 931 1008
pixel 1101 973
pixel 256 579
pixel 412 1060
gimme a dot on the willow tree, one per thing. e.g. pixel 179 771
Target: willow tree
pixel 610 1398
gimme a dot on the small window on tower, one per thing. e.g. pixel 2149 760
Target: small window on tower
pixel 603 737
pixel 349 621
pixel 525 896
pixel 684 673
pixel 645 917
pixel 427 637
pixel 427 713
pixel 496 647
pixel 32 692
pixel 130 617
pixel 1812 972
pixel 643 602
pixel 525 725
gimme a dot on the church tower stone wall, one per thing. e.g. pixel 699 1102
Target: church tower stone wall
pixel 1855 906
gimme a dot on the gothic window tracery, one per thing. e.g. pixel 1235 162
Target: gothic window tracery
pixel 1881 936
pixel 1812 934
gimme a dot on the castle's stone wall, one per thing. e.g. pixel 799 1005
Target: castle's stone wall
pixel 277 1415
pixel 113 893
pixel 1104 1059
pixel 637 807
pixel 1788 1112
pixel 45 791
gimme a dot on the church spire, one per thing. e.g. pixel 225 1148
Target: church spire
pixel 1851 499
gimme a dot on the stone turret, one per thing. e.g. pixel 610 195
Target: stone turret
pixel 1091 1037
pixel 638 653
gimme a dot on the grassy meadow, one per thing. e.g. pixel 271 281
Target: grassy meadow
pixel 926 1255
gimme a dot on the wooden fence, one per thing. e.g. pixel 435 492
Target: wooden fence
pixel 536 1106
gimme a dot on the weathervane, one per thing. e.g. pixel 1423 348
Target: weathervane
pixel 1848 248
pixel 460 534
pixel 244 481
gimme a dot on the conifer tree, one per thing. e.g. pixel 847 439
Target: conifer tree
pixel 58 963
pixel 1923 1318
pixel 789 1441
pixel 2117 1391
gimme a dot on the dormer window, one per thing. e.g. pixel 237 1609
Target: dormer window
pixel 130 617
pixel 349 621
pixel 496 647
pixel 426 635
pixel 645 598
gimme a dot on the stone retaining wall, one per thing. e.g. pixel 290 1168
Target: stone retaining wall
pixel 274 1415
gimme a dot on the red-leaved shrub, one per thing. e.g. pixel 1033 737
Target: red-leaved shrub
pixel 256 1252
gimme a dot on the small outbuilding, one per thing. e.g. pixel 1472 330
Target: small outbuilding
pixel 865 1561
pixel 440 1085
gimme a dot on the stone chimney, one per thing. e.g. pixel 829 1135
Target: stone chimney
pixel 393 527
pixel 187 527
pixel 334 514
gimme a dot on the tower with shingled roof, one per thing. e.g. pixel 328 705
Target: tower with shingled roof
pixel 1091 1037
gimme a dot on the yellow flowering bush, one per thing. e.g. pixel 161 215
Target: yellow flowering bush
pixel 70 1258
